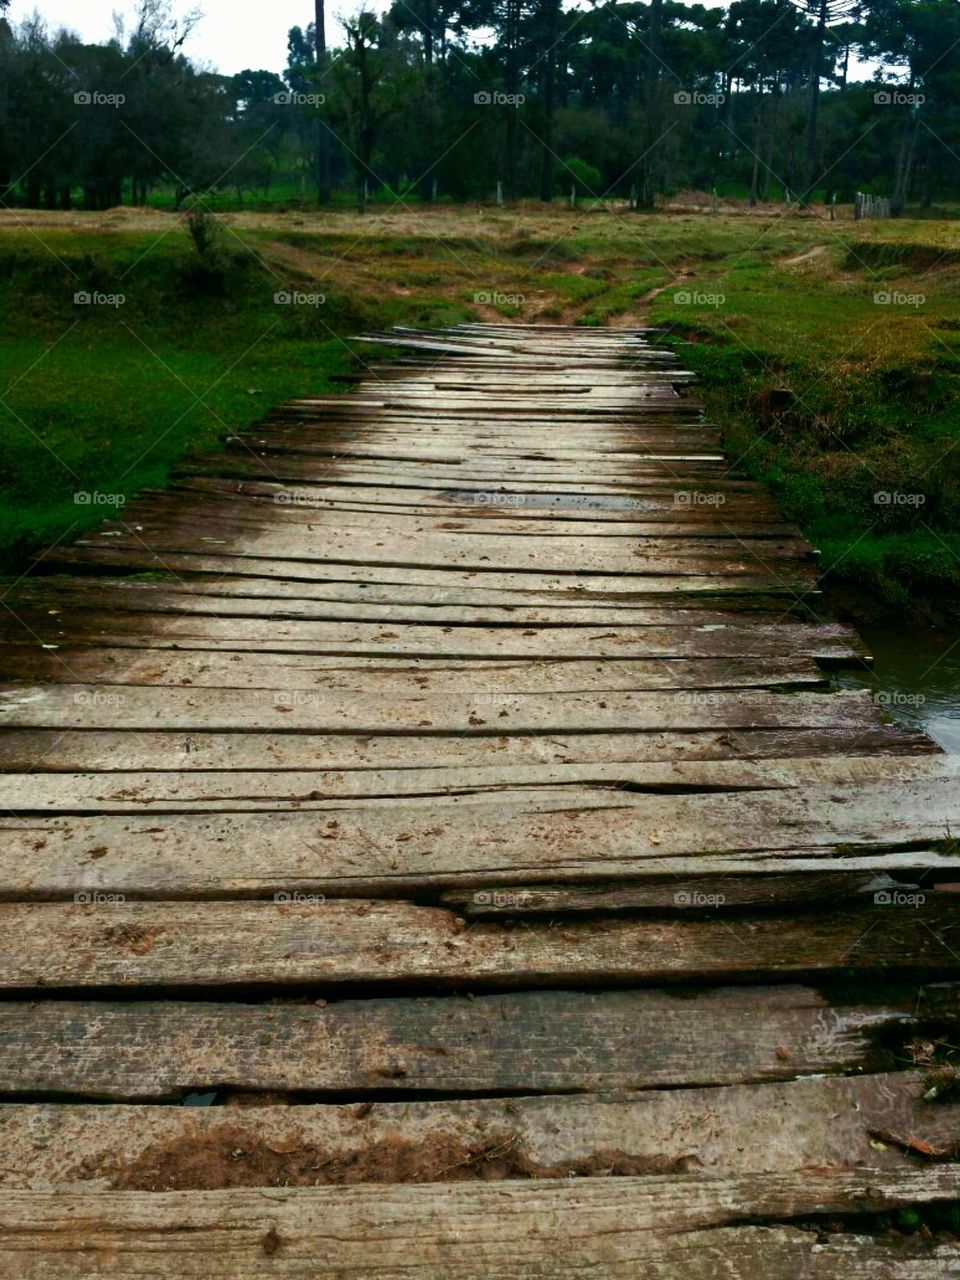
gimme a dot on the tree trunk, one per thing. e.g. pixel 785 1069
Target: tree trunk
pixel 772 123
pixel 904 164
pixel 757 140
pixel 513 88
pixel 648 176
pixel 323 137
pixel 813 111
pixel 547 176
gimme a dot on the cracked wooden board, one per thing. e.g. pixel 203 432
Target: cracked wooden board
pixel 508 553
pixel 69 750
pixel 717 893
pixel 524 1042
pixel 619 785
pixel 617 1227
pixel 398 676
pixel 452 585
pixel 824 1123
pixel 831 642
pixel 78 706
pixel 182 601
pixel 550 835
pixel 98 942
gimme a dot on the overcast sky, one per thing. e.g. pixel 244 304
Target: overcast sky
pixel 233 35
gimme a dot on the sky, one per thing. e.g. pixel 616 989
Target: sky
pixel 232 36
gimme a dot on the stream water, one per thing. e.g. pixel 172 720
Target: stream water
pixel 917 676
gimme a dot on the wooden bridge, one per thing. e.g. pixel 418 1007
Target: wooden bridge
pixel 430 831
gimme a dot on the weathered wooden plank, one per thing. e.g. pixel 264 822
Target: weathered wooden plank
pixel 716 894
pixel 457 591
pixel 294 508
pixel 78 706
pixel 748 514
pixel 181 599
pixel 645 482
pixel 398 677
pixel 736 639
pixel 105 943
pixel 524 1042
pixel 42 750
pixel 550 836
pixel 525 588
pixel 825 1123
pixel 507 552
pixel 579 785
pixel 697 472
pixel 540 1230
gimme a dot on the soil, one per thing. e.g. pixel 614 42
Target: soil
pixel 231 1156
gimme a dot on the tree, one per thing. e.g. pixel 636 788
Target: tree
pixel 822 63
pixel 323 136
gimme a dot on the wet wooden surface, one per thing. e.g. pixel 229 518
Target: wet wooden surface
pixel 446 783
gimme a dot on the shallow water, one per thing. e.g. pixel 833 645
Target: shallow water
pixel 916 676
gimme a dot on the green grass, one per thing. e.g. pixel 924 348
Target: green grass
pixel 104 400
pixel 833 398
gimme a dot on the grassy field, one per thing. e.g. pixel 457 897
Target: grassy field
pixel 830 395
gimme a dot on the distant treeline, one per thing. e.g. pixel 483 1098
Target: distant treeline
pixel 451 99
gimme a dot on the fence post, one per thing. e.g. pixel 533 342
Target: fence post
pixel 433 191
pixel 633 196
pixel 499 194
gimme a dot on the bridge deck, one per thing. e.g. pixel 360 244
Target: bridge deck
pixel 444 791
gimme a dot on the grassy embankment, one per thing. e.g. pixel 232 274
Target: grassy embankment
pixel 846 404
pixel 826 394
pixel 104 398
